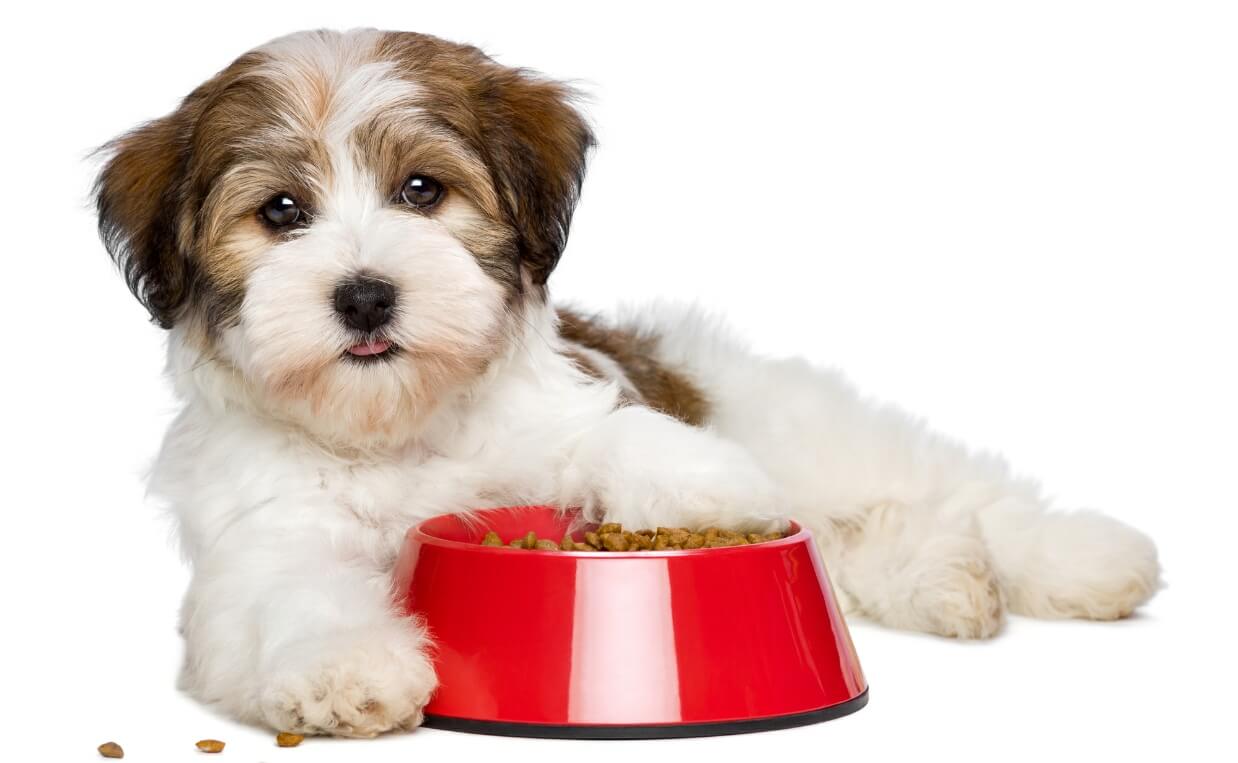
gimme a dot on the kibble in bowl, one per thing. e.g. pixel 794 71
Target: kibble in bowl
pixel 612 537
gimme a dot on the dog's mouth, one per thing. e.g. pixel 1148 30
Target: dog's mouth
pixel 371 351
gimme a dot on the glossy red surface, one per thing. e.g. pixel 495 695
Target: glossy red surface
pixel 601 638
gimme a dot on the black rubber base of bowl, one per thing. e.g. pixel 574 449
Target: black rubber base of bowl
pixel 660 731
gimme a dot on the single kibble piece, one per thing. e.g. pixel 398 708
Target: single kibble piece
pixel 530 540
pixel 211 745
pixel 111 750
pixel 583 547
pixel 492 539
pixel 567 544
pixel 284 739
pixel 593 540
pixel 695 540
pixel 661 542
pixel 615 542
pixel 546 545
pixel 610 527
pixel 517 543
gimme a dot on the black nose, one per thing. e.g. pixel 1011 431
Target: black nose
pixel 364 303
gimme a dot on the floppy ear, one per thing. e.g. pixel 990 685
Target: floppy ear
pixel 535 143
pixel 137 196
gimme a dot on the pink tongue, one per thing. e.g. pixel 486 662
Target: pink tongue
pixel 370 348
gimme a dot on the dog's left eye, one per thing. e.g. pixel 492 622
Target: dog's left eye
pixel 421 191
pixel 281 210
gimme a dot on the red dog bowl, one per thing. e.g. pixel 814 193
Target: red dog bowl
pixel 606 645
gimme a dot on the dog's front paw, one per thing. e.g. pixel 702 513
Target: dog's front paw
pixel 356 685
pixel 716 488
pixel 644 469
pixel 701 487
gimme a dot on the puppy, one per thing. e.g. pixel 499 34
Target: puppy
pixel 348 237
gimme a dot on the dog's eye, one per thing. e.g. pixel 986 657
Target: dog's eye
pixel 281 210
pixel 421 191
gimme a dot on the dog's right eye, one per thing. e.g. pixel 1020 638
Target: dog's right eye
pixel 281 210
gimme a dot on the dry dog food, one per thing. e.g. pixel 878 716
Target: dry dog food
pixel 211 745
pixel 612 537
pixel 284 739
pixel 111 750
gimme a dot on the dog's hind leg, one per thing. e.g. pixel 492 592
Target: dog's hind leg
pixel 918 532
pixel 901 567
pixel 1058 564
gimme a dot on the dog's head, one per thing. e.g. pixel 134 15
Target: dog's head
pixel 351 224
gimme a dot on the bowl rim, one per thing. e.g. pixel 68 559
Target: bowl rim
pixel 798 534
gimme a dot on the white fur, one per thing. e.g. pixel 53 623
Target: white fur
pixel 291 507
pixel 918 532
pixel 288 616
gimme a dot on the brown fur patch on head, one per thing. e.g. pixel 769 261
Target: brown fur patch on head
pixel 138 198
pixel 154 195
pixel 397 144
pixel 660 387
pixel 524 128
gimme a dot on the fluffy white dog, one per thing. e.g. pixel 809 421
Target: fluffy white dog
pixel 348 236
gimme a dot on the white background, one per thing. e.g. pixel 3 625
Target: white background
pixel 1017 220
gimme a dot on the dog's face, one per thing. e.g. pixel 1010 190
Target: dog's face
pixel 350 224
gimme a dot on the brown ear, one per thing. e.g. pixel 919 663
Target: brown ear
pixel 137 196
pixel 536 144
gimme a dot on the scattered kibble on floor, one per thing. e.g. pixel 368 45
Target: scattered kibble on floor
pixel 612 537
pixel 284 739
pixel 211 745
